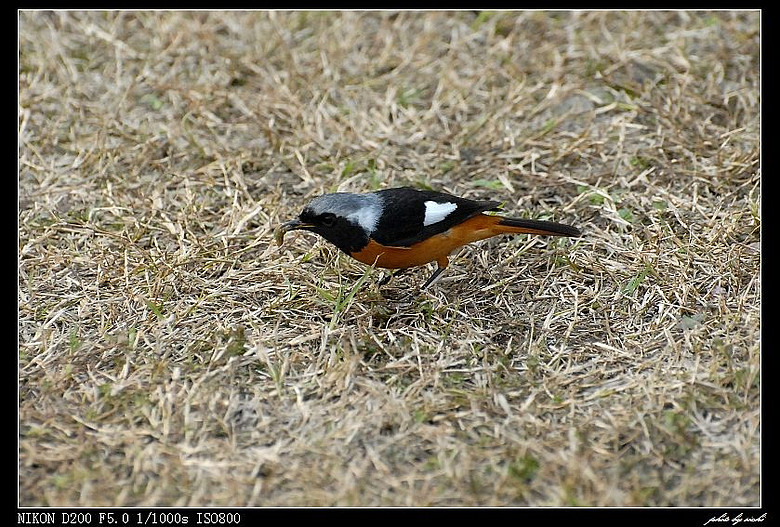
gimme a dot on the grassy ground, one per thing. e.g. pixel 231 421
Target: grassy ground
pixel 171 354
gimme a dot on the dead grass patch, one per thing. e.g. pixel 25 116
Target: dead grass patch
pixel 170 354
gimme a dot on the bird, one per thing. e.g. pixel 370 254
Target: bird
pixel 405 227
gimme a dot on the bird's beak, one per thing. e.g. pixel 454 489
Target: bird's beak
pixel 292 225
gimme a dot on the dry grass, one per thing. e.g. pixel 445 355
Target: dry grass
pixel 170 354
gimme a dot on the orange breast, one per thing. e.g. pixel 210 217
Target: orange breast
pixel 434 249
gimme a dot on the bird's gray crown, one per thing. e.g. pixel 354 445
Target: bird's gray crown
pixel 360 209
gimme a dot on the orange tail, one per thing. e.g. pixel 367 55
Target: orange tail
pixel 549 228
pixel 484 226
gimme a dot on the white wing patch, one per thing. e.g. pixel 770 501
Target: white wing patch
pixel 435 212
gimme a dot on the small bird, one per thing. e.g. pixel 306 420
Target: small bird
pixel 400 228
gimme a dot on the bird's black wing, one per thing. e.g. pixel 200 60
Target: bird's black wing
pixel 402 222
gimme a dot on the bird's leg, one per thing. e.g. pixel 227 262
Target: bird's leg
pixel 390 276
pixel 443 263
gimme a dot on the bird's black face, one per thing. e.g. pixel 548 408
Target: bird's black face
pixel 335 228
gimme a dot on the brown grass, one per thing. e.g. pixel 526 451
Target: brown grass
pixel 170 354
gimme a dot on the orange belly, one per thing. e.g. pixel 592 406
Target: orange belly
pixel 434 249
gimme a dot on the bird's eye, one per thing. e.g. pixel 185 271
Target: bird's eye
pixel 328 220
